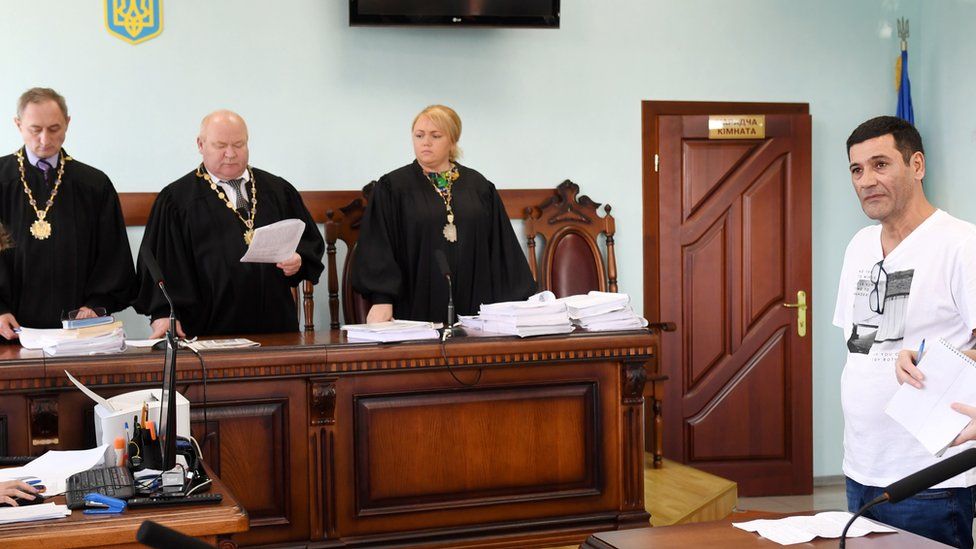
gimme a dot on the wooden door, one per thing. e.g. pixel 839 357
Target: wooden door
pixel 727 231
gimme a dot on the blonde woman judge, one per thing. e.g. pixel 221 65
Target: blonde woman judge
pixel 435 203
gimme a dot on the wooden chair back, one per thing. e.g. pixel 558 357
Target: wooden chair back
pixel 343 224
pixel 572 262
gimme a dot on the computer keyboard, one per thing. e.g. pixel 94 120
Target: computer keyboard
pixel 116 482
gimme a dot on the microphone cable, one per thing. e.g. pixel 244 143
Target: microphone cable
pixel 880 499
pixel 450 369
pixel 206 424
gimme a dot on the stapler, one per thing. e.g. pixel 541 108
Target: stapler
pixel 100 504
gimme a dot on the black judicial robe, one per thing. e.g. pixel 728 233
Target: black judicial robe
pixel 402 228
pixel 198 243
pixel 85 262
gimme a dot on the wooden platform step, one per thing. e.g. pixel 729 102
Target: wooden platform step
pixel 677 494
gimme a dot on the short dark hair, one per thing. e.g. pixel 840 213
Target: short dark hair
pixel 40 95
pixel 907 139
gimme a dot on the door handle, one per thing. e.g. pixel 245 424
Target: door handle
pixel 801 312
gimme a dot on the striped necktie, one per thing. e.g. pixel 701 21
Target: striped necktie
pixel 238 185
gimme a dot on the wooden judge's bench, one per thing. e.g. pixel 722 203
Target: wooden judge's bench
pixel 482 441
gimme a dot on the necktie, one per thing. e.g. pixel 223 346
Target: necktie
pixel 46 169
pixel 238 185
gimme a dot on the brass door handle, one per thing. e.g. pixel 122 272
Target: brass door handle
pixel 801 312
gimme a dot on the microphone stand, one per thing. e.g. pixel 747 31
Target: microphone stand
pixel 843 535
pixel 448 331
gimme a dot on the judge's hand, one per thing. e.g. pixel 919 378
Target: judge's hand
pixel 969 432
pixel 291 265
pixel 7 326
pixel 381 312
pixel 160 325
pixel 11 489
pixel 85 312
pixel 907 371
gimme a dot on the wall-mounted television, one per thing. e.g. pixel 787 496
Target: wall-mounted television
pixel 452 13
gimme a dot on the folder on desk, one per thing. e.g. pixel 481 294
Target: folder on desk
pixel 950 376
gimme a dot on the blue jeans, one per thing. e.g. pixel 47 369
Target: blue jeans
pixel 943 514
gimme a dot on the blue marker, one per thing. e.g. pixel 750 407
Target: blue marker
pixel 921 349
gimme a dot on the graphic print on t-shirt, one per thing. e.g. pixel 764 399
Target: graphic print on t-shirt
pixel 880 303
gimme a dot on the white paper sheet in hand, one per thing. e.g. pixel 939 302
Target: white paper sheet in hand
pixel 274 243
pixel 926 413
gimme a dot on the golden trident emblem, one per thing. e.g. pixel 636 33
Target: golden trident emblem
pixel 134 15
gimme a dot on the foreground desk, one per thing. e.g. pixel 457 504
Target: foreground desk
pixel 721 533
pixel 330 444
pixel 205 522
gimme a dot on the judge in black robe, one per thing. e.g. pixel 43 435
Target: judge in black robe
pixel 86 262
pixel 198 243
pixel 404 226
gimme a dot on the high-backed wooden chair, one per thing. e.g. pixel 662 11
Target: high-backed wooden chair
pixel 344 225
pixel 571 261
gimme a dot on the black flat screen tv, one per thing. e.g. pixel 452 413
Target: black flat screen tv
pixel 451 13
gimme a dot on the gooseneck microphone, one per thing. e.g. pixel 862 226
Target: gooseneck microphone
pixel 158 536
pixel 916 482
pixel 157 276
pixel 441 260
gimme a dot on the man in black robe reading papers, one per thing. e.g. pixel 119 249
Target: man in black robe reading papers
pixel 202 224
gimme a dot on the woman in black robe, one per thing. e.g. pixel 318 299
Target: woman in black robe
pixel 433 204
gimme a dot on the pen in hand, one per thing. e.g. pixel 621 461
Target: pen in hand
pixel 918 356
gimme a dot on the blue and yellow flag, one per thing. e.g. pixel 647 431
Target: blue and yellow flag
pixel 905 110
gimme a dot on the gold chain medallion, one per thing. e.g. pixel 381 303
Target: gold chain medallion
pixel 41 229
pixel 248 223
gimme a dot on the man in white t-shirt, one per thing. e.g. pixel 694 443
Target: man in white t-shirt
pixel 911 277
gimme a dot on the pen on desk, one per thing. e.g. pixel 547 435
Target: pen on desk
pixel 918 356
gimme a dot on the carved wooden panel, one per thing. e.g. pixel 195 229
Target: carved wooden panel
pixel 764 228
pixel 705 166
pixel 441 450
pixel 755 401
pixel 247 450
pixel 706 287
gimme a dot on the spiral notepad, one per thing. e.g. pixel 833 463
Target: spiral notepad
pixel 950 376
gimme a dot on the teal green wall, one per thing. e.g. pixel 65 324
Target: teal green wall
pixel 329 106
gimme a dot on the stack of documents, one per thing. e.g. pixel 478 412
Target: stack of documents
pixel 393 330
pixel 27 513
pixel 603 311
pixel 541 314
pixel 93 340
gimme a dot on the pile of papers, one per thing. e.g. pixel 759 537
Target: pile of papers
pixel 92 340
pixel 393 330
pixel 603 311
pixel 541 314
pixel 27 513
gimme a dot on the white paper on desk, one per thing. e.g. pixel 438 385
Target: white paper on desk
pixel 38 338
pixel 801 529
pixel 274 243
pixel 40 511
pixel 143 343
pixel 54 467
pixel 926 413
pixel 89 393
